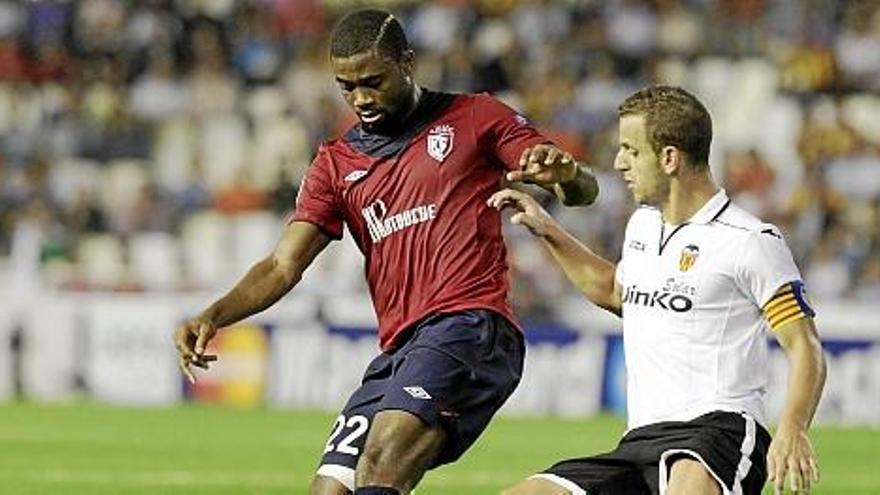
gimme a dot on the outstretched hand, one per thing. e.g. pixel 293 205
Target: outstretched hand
pixel 545 165
pixel 791 457
pixel 191 339
pixel 529 213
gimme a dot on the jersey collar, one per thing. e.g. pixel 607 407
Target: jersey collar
pixel 712 209
pixel 430 106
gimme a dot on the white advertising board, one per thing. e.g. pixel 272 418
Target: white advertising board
pixel 130 356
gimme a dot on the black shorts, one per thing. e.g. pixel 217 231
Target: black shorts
pixel 732 446
pixel 455 370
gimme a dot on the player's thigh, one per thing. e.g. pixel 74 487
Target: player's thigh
pixel 689 476
pixel 400 447
pixel 536 486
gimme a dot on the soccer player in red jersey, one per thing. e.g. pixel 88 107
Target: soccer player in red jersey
pixel 410 181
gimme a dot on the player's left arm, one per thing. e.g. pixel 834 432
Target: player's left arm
pixel 791 454
pixel 559 172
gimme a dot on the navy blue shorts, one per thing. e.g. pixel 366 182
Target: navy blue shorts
pixel 732 447
pixel 455 371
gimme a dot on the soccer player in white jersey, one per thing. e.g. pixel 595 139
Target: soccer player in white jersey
pixel 699 284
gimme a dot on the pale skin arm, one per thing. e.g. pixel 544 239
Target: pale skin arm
pixel 791 453
pixel 264 284
pixel 558 172
pixel 589 272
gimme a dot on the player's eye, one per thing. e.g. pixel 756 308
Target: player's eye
pixel 372 83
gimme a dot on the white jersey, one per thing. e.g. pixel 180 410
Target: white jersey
pixel 693 328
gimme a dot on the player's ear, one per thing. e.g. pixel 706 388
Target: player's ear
pixel 671 160
pixel 408 64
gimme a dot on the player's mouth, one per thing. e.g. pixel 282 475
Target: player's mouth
pixel 371 117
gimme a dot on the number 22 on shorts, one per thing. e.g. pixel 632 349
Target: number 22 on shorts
pixel 360 425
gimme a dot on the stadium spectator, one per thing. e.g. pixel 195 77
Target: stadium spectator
pixel 410 182
pixel 65 67
pixel 158 95
pixel 699 283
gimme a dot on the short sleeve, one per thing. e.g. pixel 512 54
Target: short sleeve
pixel 765 265
pixel 318 202
pixel 502 131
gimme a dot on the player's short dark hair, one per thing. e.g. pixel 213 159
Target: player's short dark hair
pixel 369 30
pixel 673 117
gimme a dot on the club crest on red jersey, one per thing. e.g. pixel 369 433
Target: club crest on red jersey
pixel 440 140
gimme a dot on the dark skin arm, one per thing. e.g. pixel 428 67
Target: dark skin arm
pixel 557 171
pixel 263 285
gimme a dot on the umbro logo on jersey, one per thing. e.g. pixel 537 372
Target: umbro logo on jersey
pixel 440 140
pixel 353 176
pixel 637 245
pixel 688 257
pixel 417 392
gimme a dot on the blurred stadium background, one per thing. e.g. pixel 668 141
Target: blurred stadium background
pixel 150 151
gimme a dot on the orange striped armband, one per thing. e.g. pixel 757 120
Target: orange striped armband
pixel 788 305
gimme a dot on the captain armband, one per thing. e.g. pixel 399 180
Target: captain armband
pixel 788 305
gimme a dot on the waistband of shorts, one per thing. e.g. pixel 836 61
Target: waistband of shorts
pixel 407 334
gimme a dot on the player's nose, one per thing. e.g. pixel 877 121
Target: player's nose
pixel 362 99
pixel 620 163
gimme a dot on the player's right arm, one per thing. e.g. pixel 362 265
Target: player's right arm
pixel 531 157
pixel 589 272
pixel 264 284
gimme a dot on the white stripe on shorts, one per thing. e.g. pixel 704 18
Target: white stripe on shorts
pixel 342 474
pixel 747 447
pixel 559 480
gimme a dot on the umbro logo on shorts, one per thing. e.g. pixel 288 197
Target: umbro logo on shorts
pixel 417 392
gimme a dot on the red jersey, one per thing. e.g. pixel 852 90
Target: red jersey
pixel 416 206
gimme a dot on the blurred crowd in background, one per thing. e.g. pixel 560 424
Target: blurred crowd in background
pixel 158 145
